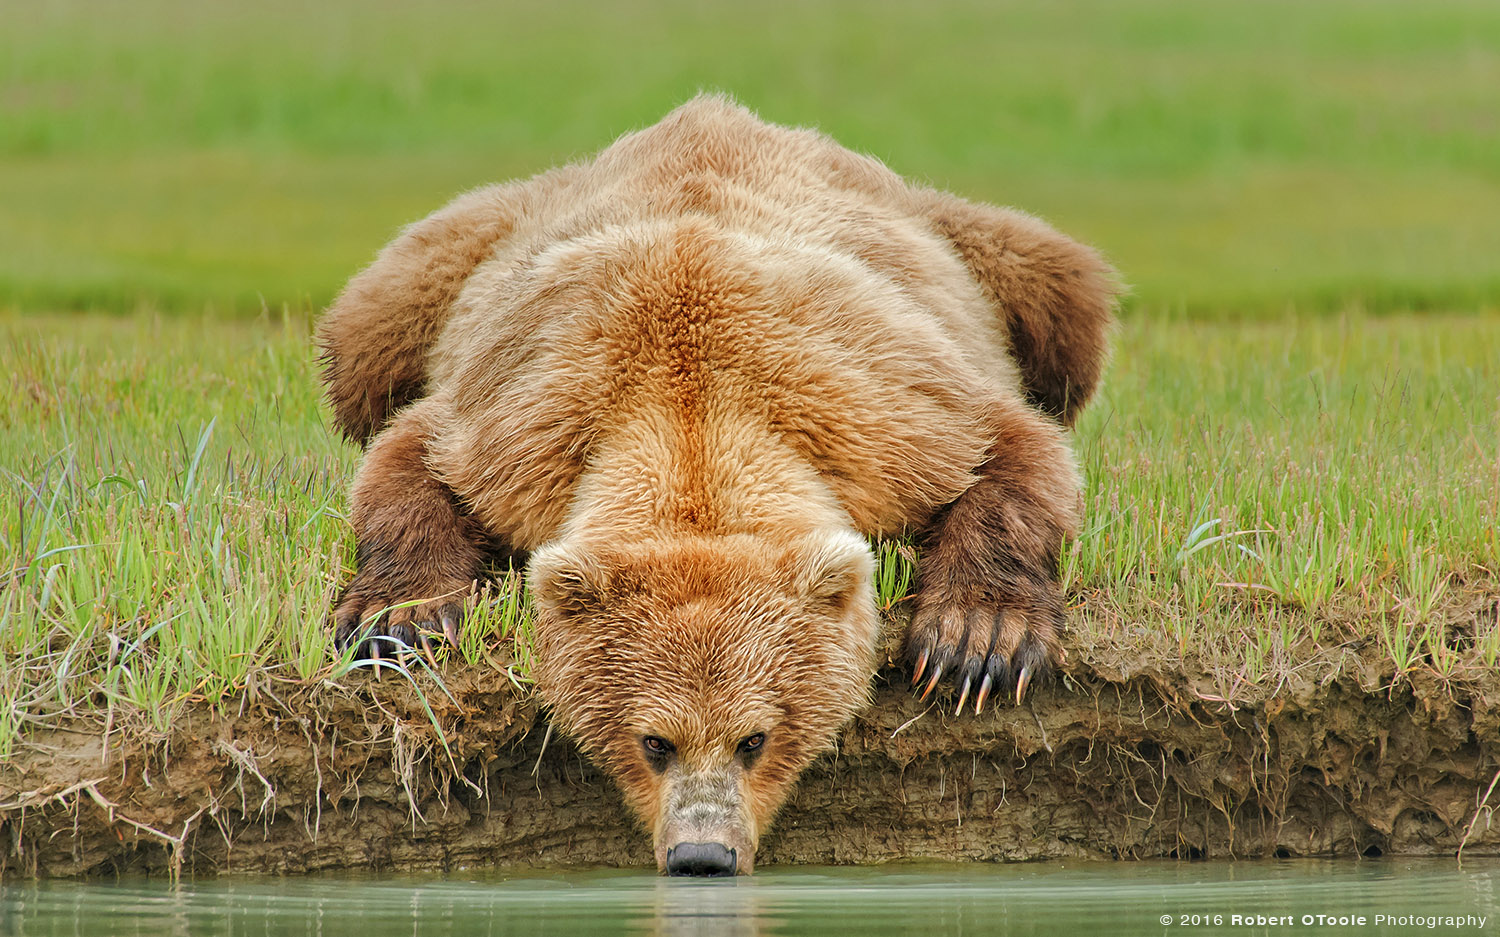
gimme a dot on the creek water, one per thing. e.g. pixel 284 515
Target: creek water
pixel 1092 899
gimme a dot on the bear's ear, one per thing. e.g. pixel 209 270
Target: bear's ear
pixel 833 570
pixel 566 582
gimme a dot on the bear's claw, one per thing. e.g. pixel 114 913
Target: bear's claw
pixel 981 696
pixel 978 642
pixel 380 628
pixel 963 695
pixel 916 673
pixel 1021 684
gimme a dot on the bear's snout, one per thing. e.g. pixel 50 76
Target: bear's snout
pixel 705 827
pixel 705 859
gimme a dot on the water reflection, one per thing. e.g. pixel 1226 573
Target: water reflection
pixel 707 908
pixel 1096 898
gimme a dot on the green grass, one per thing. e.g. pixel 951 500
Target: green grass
pixel 170 517
pixel 1262 491
pixel 1259 493
pixel 171 503
pixel 1233 159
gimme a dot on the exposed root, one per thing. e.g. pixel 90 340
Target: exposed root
pixel 245 761
pixel 175 843
pixel 1483 809
pixel 46 794
pixel 407 754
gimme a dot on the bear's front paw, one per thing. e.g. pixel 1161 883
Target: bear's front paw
pixel 382 625
pixel 998 637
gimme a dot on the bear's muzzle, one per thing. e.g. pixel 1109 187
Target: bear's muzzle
pixel 705 826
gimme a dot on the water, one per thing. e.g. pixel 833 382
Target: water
pixel 1091 899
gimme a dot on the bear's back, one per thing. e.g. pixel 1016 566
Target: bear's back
pixel 773 273
pixel 714 159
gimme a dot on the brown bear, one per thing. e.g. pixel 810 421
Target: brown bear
pixel 687 379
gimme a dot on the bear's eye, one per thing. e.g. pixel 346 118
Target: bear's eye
pixel 657 745
pixel 753 742
pixel 658 752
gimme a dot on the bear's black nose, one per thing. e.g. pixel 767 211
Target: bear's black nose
pixel 700 859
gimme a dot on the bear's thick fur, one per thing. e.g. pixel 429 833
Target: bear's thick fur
pixel 688 378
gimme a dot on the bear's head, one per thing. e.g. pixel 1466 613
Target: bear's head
pixel 704 673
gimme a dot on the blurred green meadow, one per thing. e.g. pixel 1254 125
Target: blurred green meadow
pixel 1297 450
pixel 1232 158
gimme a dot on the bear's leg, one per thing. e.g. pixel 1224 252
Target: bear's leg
pixel 376 335
pixel 415 544
pixel 1055 296
pixel 989 608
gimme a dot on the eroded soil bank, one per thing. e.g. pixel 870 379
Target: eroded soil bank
pixel 1110 761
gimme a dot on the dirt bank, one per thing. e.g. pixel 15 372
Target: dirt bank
pixel 1110 761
